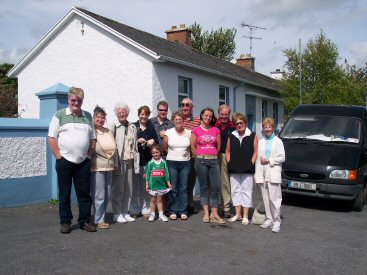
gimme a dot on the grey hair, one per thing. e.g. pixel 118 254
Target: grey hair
pixel 121 105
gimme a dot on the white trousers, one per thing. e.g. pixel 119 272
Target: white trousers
pixel 241 189
pixel 122 188
pixel 272 197
pixel 140 201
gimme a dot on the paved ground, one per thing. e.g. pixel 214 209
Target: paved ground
pixel 317 237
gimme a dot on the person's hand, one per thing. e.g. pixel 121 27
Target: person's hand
pixel 150 142
pixel 264 160
pixel 161 133
pixel 142 140
pixel 169 185
pixel 58 157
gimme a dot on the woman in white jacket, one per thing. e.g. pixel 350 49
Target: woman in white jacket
pixel 268 173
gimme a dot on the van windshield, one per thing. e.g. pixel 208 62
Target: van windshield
pixel 323 128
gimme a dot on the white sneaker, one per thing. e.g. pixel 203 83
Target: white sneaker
pixel 245 221
pixel 128 218
pixel 119 218
pixel 151 218
pixel 276 227
pixel 163 218
pixel 234 219
pixel 267 224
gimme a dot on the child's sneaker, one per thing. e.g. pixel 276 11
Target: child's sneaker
pixel 151 218
pixel 163 218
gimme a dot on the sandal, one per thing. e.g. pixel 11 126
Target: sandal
pixel 245 221
pixel 103 225
pixel 216 220
pixel 205 219
pixel 234 219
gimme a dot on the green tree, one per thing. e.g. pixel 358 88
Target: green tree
pixel 324 81
pixel 8 93
pixel 219 43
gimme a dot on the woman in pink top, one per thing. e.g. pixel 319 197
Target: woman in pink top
pixel 205 146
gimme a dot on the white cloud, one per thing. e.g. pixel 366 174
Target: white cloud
pixel 358 52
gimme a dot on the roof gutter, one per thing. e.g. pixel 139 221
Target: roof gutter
pixel 174 60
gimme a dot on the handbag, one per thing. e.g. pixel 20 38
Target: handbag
pixel 257 218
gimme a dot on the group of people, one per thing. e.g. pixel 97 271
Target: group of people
pixel 155 162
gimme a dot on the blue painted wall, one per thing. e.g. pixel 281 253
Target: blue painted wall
pixel 37 189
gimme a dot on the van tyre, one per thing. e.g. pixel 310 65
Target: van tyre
pixel 360 200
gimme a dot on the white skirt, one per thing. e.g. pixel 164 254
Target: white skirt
pixel 159 193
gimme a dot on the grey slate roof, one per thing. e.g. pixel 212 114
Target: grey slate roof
pixel 186 54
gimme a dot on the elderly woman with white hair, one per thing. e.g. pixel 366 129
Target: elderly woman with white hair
pixel 126 175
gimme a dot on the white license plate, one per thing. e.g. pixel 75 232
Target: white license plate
pixel 302 185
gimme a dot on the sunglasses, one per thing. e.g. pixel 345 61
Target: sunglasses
pixel 162 110
pixel 76 100
pixel 239 123
pixel 185 104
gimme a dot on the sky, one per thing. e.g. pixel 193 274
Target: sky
pixel 23 23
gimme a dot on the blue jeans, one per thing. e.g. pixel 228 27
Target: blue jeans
pixel 179 173
pixel 67 173
pixel 208 169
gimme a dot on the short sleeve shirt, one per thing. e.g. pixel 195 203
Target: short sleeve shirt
pixel 73 134
pixel 178 145
pixel 206 141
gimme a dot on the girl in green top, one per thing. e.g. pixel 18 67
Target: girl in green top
pixel 157 182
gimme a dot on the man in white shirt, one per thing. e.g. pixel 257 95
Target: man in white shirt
pixel 72 139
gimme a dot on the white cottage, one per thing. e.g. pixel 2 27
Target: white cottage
pixel 112 61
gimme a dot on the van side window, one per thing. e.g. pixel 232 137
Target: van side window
pixel 365 132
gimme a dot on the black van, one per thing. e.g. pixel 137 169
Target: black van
pixel 326 153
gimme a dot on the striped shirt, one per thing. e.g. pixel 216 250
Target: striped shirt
pixel 191 122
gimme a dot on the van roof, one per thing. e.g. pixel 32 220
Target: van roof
pixel 331 110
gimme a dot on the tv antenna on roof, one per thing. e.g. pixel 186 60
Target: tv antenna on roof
pixel 251 36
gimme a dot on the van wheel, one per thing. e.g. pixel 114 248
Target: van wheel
pixel 360 200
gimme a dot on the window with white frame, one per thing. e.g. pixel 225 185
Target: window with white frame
pixel 275 114
pixel 264 109
pixel 223 95
pixel 184 88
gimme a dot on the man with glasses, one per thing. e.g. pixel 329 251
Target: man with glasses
pixel 72 139
pixel 226 127
pixel 161 122
pixel 190 123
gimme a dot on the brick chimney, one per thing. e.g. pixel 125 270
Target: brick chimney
pixel 180 35
pixel 247 61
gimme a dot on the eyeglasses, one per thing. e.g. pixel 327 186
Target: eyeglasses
pixel 162 110
pixel 185 104
pixel 239 123
pixel 76 100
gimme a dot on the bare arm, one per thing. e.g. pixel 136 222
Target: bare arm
pixel 254 155
pixel 219 143
pixel 92 147
pixel 193 145
pixel 228 151
pixel 54 147
pixel 165 144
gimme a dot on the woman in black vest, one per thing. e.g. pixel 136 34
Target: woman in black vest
pixel 241 154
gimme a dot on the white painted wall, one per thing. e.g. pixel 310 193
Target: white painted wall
pixel 106 68
pixel 205 86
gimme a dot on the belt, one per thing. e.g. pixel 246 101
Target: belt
pixel 206 157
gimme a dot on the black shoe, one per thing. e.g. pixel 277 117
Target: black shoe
pixel 193 210
pixel 227 214
pixel 88 227
pixel 65 228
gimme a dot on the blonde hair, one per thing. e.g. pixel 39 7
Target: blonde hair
pixel 78 92
pixel 268 120
pixel 239 116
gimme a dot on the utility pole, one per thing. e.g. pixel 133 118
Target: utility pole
pixel 300 73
